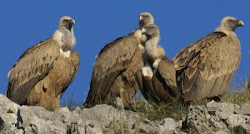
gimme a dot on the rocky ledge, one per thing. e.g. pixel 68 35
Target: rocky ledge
pixel 213 118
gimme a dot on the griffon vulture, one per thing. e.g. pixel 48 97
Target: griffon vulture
pixel 159 81
pixel 44 71
pixel 206 67
pixel 115 67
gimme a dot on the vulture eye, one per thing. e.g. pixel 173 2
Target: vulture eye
pixel 231 21
pixel 65 20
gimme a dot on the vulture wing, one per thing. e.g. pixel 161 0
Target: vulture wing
pixel 206 67
pixel 112 61
pixel 32 66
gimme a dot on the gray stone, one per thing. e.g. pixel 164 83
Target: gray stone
pixel 119 104
pixel 148 127
pixel 236 120
pixel 237 109
pixel 245 109
pixel 8 115
pixel 63 114
pixel 225 110
pixel 93 127
pixel 200 121
pixel 221 132
pixel 170 124
pixel 212 107
pixel 212 118
pixel 77 110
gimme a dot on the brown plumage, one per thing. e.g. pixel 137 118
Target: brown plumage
pixel 161 88
pixel 44 71
pixel 159 85
pixel 115 68
pixel 113 74
pixel 206 67
pixel 55 83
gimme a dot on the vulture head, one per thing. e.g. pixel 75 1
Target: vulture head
pixel 229 24
pixel 65 35
pixel 66 23
pixel 145 18
pixel 151 31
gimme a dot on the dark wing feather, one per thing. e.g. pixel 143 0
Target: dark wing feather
pixel 31 67
pixel 168 73
pixel 203 66
pixel 113 59
pixel 149 91
pixel 162 87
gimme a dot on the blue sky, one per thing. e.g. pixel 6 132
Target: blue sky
pixel 25 23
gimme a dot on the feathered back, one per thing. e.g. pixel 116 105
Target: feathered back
pixel 30 68
pixel 112 61
pixel 203 65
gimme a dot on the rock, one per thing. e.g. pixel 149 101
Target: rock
pixel 218 118
pixel 225 110
pixel 36 119
pixel 76 127
pixel 63 114
pixel 200 121
pixel 245 109
pixel 111 118
pixel 212 107
pixel 8 115
pixel 236 120
pixel 77 110
pixel 221 132
pixel 237 109
pixel 169 125
pixel 147 127
pixel 119 104
pixel 93 127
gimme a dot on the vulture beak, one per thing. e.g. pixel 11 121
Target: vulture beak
pixel 240 23
pixel 72 21
pixel 140 18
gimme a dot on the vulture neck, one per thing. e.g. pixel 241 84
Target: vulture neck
pixel 225 30
pixel 151 47
pixel 65 39
pixel 68 39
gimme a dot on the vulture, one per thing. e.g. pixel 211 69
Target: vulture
pixel 115 68
pixel 43 72
pixel 205 68
pixel 158 74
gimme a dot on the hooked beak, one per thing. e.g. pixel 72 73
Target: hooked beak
pixel 140 18
pixel 72 21
pixel 240 23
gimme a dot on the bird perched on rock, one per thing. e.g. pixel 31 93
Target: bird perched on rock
pixel 159 80
pixel 43 73
pixel 115 67
pixel 206 67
